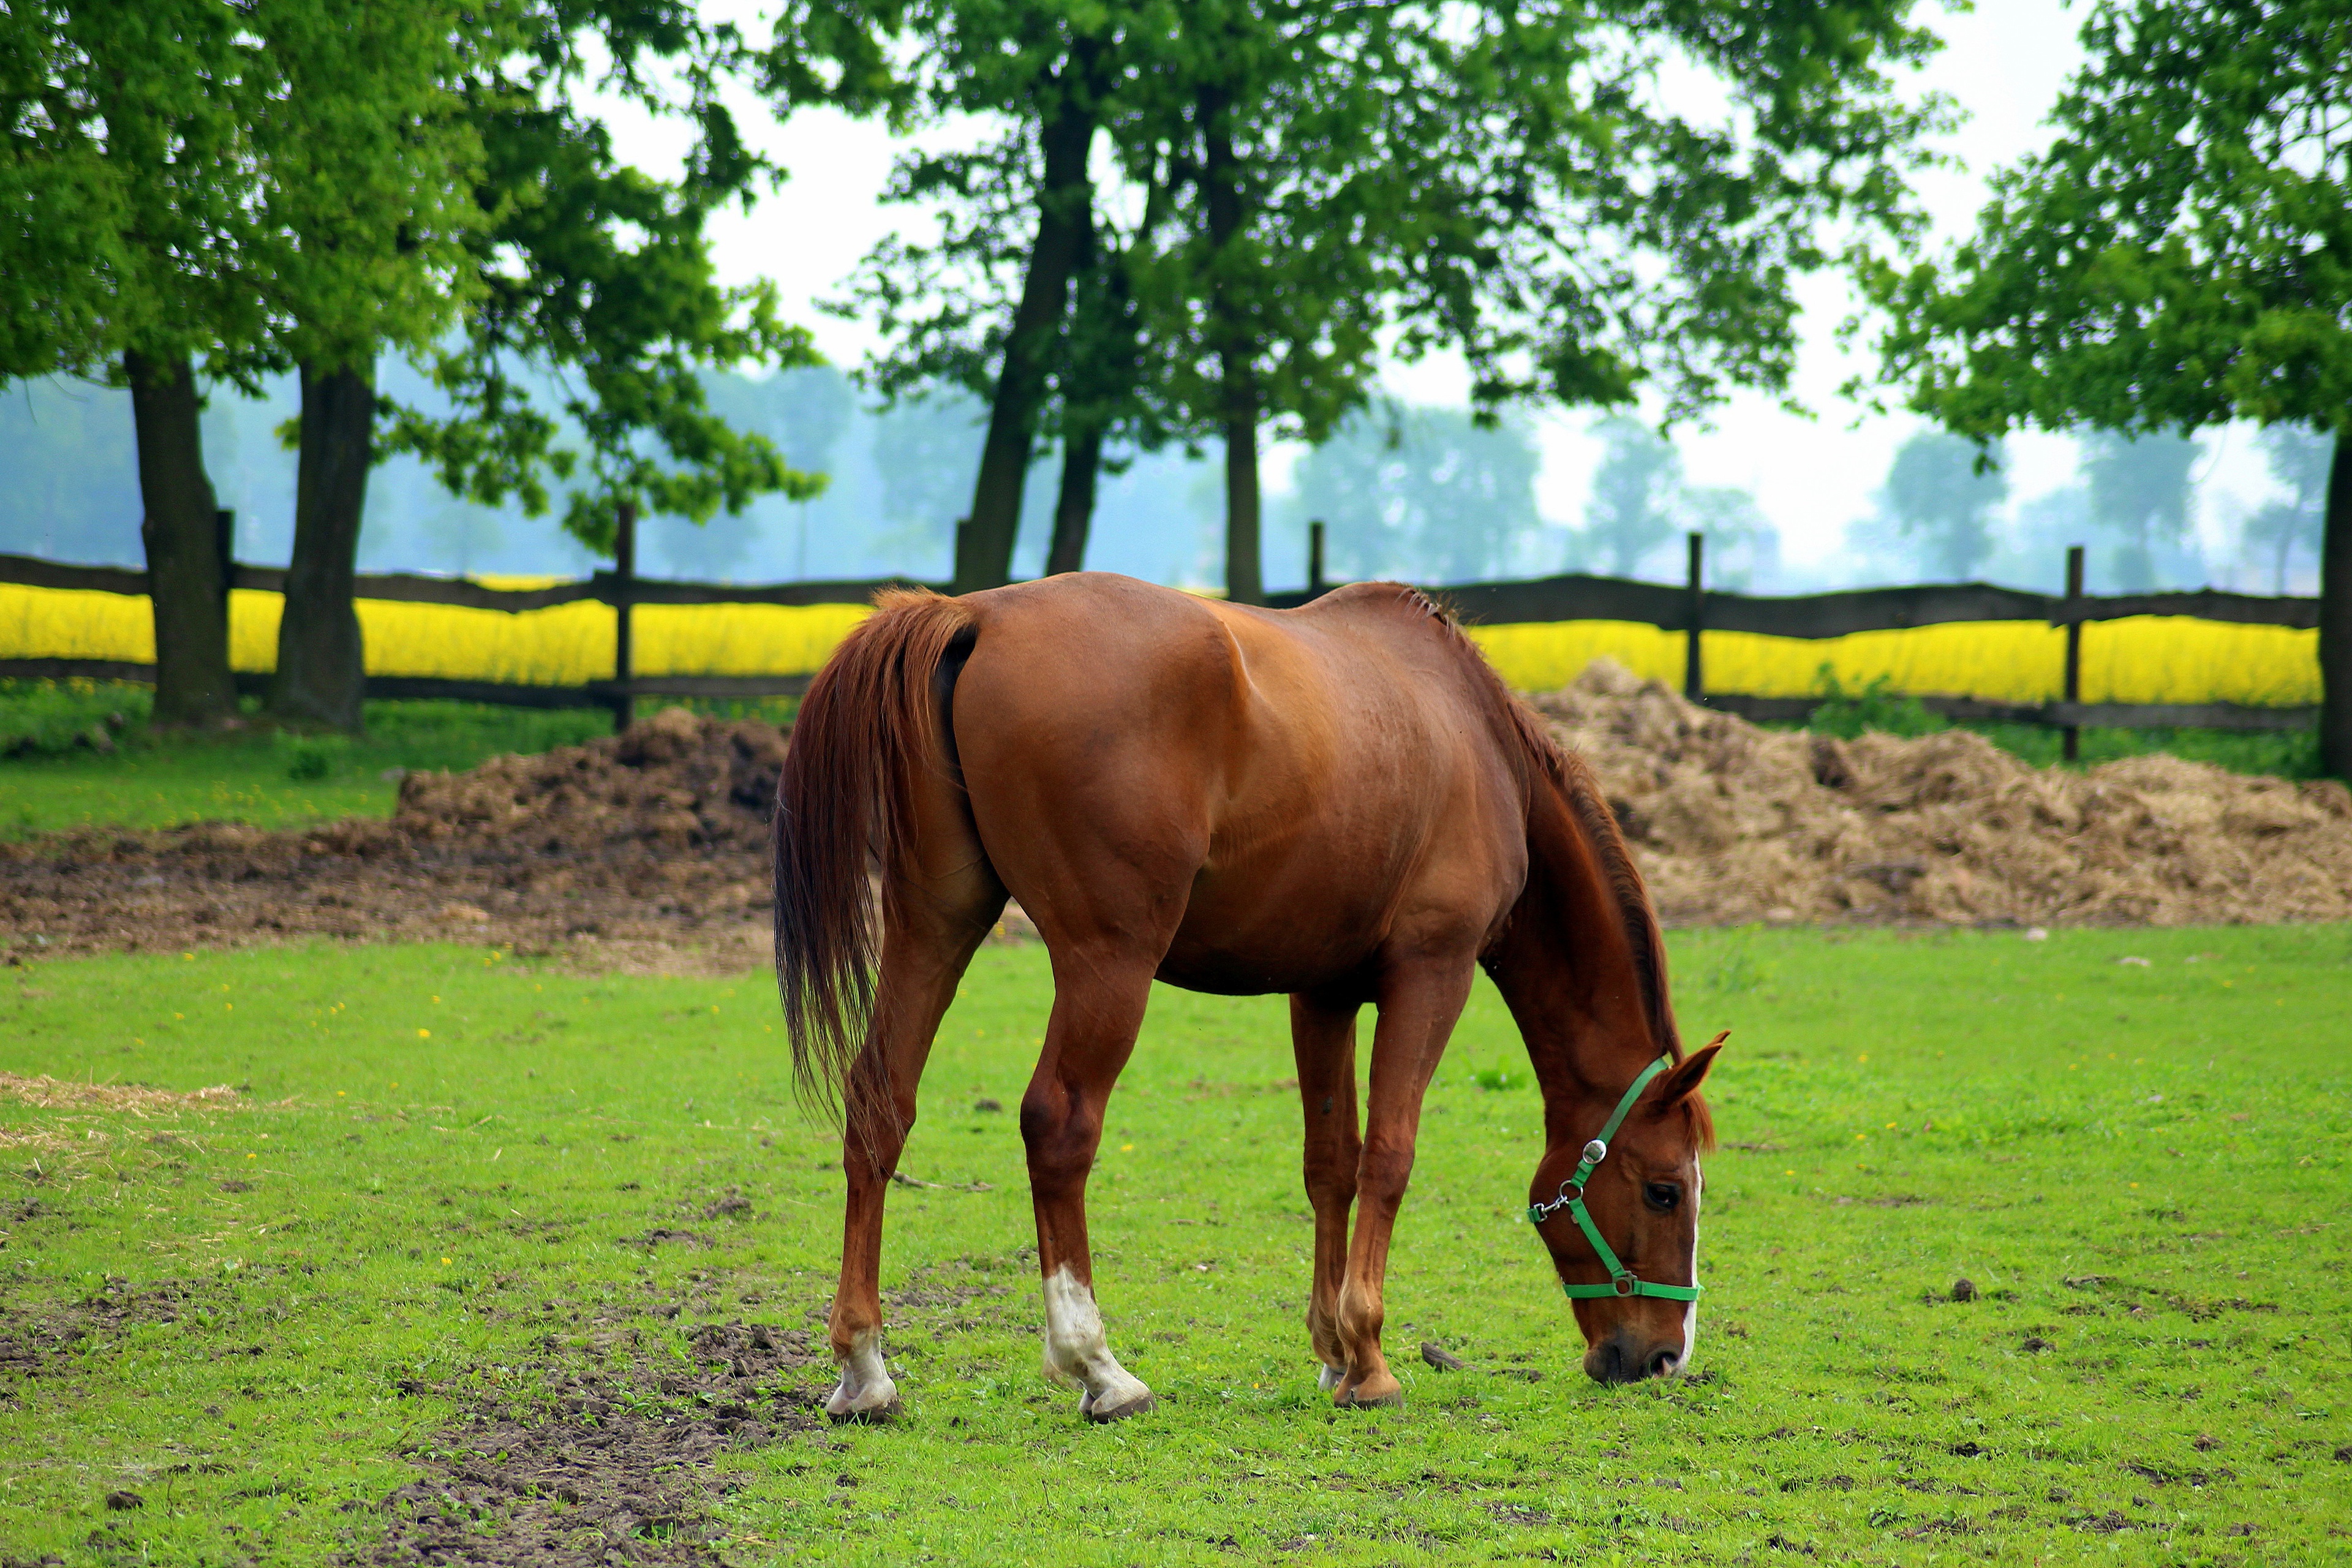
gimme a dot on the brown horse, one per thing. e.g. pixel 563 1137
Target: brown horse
pixel 1341 802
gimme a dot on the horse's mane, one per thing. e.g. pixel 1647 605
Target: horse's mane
pixel 1522 728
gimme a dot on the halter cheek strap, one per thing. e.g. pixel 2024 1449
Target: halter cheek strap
pixel 1621 1280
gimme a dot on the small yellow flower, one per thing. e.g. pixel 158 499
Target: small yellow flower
pixel 1860 1137
pixel 444 1260
pixel 1788 1172
pixel 1890 1127
pixel 423 1034
pixel 1126 1148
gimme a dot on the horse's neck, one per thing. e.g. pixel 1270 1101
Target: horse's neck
pixel 1568 970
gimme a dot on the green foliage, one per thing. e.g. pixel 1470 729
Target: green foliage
pixel 2142 1168
pixel 2175 258
pixel 1501 180
pixel 1875 706
pixel 129 181
pixel 600 275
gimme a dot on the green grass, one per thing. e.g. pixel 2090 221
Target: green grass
pixel 2289 754
pixel 260 776
pixel 2144 1168
pixel 51 780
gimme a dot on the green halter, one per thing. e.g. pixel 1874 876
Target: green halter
pixel 1622 1282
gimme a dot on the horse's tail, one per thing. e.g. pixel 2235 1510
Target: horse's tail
pixel 846 798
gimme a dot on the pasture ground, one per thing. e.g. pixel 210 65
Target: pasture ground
pixel 481 1252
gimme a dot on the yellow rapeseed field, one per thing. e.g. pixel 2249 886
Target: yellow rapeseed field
pixel 2147 660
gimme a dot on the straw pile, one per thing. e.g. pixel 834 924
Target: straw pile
pixel 1732 823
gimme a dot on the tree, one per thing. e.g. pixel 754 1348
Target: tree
pixel 2174 260
pixel 1939 491
pixel 2139 493
pixel 1308 175
pixel 1634 493
pixel 368 162
pixel 598 276
pixel 2298 460
pixel 1424 494
pixel 128 181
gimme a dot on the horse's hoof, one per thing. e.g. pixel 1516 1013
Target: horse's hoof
pixel 1356 1399
pixel 878 1415
pixel 1101 1416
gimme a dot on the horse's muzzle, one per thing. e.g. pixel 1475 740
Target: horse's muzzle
pixel 1626 1358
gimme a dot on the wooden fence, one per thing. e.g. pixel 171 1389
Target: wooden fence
pixel 1687 607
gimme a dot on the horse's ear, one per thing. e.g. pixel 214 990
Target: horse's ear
pixel 1682 1081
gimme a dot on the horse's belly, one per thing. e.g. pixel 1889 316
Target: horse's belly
pixel 1303 924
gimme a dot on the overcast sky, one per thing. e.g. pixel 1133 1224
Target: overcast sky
pixel 2004 62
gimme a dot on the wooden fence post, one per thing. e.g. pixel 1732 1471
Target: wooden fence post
pixel 224 542
pixel 625 571
pixel 1315 559
pixel 1694 673
pixel 2073 750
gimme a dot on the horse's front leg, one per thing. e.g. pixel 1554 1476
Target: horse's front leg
pixel 1323 1043
pixel 921 964
pixel 1098 1009
pixel 1419 1001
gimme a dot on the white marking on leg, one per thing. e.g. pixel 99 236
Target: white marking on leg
pixel 1076 1353
pixel 866 1388
pixel 1330 1378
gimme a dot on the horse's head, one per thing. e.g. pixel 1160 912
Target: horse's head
pixel 1631 1276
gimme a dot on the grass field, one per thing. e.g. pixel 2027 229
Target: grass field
pixel 271 780
pixel 444 1183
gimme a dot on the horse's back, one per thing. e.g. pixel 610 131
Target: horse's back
pixel 1284 787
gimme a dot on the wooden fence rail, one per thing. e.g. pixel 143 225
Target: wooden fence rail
pixel 1673 607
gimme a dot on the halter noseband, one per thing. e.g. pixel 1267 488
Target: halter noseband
pixel 1621 1280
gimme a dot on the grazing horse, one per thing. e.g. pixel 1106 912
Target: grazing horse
pixel 1341 802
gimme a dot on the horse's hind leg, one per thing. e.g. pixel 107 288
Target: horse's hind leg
pixel 1098 1003
pixel 1323 1041
pixel 937 923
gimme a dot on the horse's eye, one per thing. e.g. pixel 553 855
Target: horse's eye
pixel 1663 1195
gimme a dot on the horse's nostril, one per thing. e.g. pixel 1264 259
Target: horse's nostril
pixel 1663 1365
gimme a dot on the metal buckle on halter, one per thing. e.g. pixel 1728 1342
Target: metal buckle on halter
pixel 1595 1151
pixel 1626 1284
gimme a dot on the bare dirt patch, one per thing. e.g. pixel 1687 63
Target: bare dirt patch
pixel 650 843
pixel 602 1470
pixel 1734 823
pixel 42 1342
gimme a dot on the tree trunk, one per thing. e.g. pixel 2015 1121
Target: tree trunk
pixel 1236 357
pixel 1074 509
pixel 181 532
pixel 321 677
pixel 1065 211
pixel 2335 616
